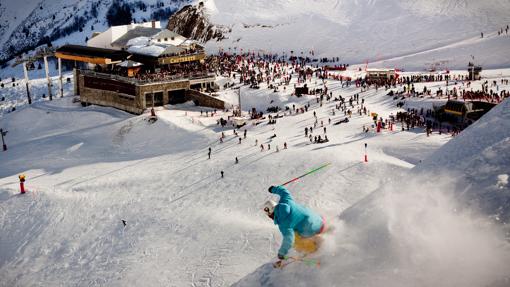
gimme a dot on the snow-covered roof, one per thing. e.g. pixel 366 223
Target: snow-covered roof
pixel 155 50
pixel 165 33
pixel 146 32
pixel 130 64
pixel 171 49
pixel 189 42
pixel 138 41
pixel 149 50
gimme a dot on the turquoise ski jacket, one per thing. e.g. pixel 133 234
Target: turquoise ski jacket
pixel 292 217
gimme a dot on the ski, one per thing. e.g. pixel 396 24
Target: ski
pixel 290 259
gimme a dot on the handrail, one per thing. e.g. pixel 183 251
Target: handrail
pixel 168 78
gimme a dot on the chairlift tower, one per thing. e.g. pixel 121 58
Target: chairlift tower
pixel 42 53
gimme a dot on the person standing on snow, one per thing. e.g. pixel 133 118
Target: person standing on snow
pixel 299 225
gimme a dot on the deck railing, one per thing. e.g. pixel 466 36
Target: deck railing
pixel 152 78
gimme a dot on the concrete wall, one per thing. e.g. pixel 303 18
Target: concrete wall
pixel 76 82
pixel 129 103
pixel 142 90
pixel 102 40
pixel 105 92
pixel 204 100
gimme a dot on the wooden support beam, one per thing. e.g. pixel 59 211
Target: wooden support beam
pixel 92 60
pixel 25 71
pixel 48 77
pixel 61 86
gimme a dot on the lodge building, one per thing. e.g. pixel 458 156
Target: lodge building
pixel 381 76
pixel 138 66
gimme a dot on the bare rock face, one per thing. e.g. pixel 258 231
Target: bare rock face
pixel 192 22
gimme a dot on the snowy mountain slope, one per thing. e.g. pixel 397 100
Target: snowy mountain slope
pixel 89 168
pixel 28 24
pixel 355 31
pixel 487 52
pixel 360 31
pixel 43 20
pixel 419 228
pixel 12 13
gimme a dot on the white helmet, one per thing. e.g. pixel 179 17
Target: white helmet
pixel 269 207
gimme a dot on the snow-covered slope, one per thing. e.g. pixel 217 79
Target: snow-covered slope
pixel 440 223
pixel 88 168
pixel 416 230
pixel 367 30
pixel 409 34
pixel 479 162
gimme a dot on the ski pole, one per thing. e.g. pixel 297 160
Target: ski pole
pixel 310 172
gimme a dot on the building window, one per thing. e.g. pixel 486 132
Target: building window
pixel 173 38
pixel 166 39
pixel 159 40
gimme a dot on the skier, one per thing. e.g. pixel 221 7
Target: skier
pixel 237 161
pixel 222 174
pixel 209 153
pixel 299 225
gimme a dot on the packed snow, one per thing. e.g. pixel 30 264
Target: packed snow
pixel 90 168
pixel 115 200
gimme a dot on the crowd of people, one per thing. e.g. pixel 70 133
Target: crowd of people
pixel 249 69
pixel 175 71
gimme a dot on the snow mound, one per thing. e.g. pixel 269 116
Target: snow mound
pixel 420 229
pixel 479 159
pixel 91 135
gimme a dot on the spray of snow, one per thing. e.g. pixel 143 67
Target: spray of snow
pixel 411 235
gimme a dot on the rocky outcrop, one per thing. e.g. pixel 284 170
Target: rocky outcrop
pixel 192 22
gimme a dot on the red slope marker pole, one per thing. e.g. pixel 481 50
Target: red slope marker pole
pixel 22 183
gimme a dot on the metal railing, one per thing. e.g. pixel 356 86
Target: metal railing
pixel 154 78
